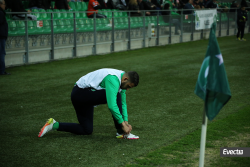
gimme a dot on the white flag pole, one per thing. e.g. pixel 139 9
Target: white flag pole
pixel 203 139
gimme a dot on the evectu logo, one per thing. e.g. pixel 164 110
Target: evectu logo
pixel 235 152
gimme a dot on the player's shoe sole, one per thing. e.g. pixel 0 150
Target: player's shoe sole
pixel 128 136
pixel 47 127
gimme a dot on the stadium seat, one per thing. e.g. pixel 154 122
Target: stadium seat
pixel 99 26
pixel 57 15
pixel 108 13
pixel 72 6
pixel 49 14
pixel 124 22
pixel 64 14
pixel 153 19
pixel 79 15
pixel 84 6
pixel 116 14
pixel 106 24
pixel 86 3
pixel 38 15
pixel 88 25
pixel 69 25
pixel 56 28
pixel 43 16
pixel 125 14
pixel 20 28
pixel 46 27
pixel 12 28
pixel 81 6
pixel 70 15
pixel 134 22
pixel 32 28
pixel 80 27
pixel 60 24
pixel 117 24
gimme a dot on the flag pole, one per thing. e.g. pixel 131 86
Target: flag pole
pixel 203 139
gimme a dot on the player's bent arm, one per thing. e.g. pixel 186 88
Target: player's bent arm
pixel 124 105
pixel 112 85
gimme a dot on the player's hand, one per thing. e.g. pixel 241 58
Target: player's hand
pixel 125 128
pixel 130 127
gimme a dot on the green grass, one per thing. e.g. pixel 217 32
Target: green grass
pixel 185 152
pixel 162 109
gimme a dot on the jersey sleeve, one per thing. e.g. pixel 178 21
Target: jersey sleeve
pixel 112 86
pixel 124 105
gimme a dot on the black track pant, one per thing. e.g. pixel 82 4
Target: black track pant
pixel 241 29
pixel 84 101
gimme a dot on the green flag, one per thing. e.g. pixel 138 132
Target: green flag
pixel 212 84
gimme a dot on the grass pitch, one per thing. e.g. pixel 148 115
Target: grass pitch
pixel 162 109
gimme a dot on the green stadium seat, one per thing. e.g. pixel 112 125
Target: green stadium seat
pixel 46 27
pixel 80 6
pixel 61 26
pixel 124 22
pixel 87 4
pixel 88 25
pixel 84 6
pixel 140 21
pixel 134 22
pixel 106 24
pixel 99 25
pixel 38 15
pixel 49 14
pixel 69 25
pixel 43 16
pixel 108 13
pixel 32 28
pixel 72 6
pixel 20 28
pixel 56 27
pixel 125 14
pixel 117 24
pixel 12 31
pixel 80 27
pixel 70 15
pixel 57 15
pixel 64 14
pixel 116 14
pixel 153 19
pixel 81 15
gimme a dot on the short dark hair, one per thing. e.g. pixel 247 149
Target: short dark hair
pixel 133 77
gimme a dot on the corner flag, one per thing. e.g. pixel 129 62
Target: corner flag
pixel 212 84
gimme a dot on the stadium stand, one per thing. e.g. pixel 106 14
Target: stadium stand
pixel 63 19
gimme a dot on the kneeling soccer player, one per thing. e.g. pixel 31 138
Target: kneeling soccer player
pixel 103 86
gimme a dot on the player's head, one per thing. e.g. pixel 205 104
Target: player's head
pixel 129 80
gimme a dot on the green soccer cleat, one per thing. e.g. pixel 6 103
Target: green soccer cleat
pixel 243 39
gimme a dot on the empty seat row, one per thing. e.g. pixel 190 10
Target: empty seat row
pixel 17 28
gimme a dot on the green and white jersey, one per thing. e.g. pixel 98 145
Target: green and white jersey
pixel 110 80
